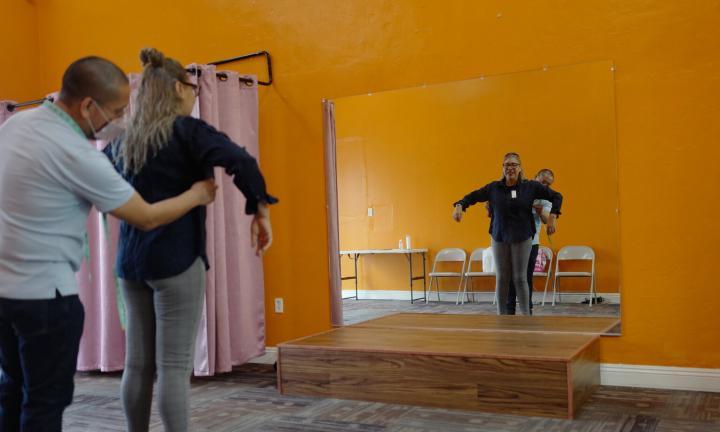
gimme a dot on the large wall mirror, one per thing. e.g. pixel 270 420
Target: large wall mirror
pixel 404 156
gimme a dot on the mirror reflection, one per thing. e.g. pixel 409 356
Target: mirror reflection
pixel 442 189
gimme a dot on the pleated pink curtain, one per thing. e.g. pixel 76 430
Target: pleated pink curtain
pixel 336 306
pixel 102 346
pixel 232 328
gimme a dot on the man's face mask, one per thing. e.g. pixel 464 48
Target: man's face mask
pixel 111 130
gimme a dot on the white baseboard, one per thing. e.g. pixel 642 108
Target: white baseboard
pixel 655 377
pixel 660 377
pixel 613 298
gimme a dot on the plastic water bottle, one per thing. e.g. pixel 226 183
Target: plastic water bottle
pixel 400 246
pixel 407 242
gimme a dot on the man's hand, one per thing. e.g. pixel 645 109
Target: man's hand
pixel 204 191
pixel 552 224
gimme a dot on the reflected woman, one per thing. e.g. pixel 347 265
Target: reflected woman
pixel 512 226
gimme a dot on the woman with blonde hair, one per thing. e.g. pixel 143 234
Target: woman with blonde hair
pixel 162 271
pixel 512 226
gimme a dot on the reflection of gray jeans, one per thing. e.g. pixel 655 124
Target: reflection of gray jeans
pixel 162 322
pixel 511 263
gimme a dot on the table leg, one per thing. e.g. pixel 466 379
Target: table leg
pixel 355 258
pixel 414 278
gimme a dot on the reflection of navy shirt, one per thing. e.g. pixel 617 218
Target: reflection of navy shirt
pixel 194 149
pixel 512 218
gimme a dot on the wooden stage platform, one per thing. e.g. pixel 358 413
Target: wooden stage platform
pixel 543 366
pixel 501 323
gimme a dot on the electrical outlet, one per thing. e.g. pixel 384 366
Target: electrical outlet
pixel 370 211
pixel 279 307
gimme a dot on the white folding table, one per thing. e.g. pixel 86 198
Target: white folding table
pixel 355 255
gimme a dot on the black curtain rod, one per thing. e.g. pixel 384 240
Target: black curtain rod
pixel 222 76
pixel 13 107
pixel 251 55
pixel 247 81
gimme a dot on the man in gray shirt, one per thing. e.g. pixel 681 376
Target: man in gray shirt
pixel 50 176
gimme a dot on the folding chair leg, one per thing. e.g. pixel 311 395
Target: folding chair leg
pixel 437 288
pixel 593 292
pixel 555 283
pixel 594 287
pixel 547 281
pixel 465 289
pixel 460 291
pixel 427 295
pixel 468 280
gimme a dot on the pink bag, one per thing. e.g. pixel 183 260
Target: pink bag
pixel 540 262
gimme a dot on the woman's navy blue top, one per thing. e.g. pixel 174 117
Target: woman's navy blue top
pixel 511 216
pixel 194 149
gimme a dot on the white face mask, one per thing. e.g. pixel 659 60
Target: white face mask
pixel 111 130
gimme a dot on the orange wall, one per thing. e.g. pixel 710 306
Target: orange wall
pixel 410 153
pixel 667 83
pixel 20 72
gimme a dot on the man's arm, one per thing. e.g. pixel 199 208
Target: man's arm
pixel 542 209
pixel 136 211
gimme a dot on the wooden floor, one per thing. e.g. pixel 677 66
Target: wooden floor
pixel 498 323
pixel 511 364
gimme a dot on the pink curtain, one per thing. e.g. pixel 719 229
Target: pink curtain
pixel 102 346
pixel 232 329
pixel 336 306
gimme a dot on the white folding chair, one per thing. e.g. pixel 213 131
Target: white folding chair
pixel 547 271
pixel 476 256
pixel 575 253
pixel 447 255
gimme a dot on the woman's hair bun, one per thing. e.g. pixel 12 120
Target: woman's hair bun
pixel 152 57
